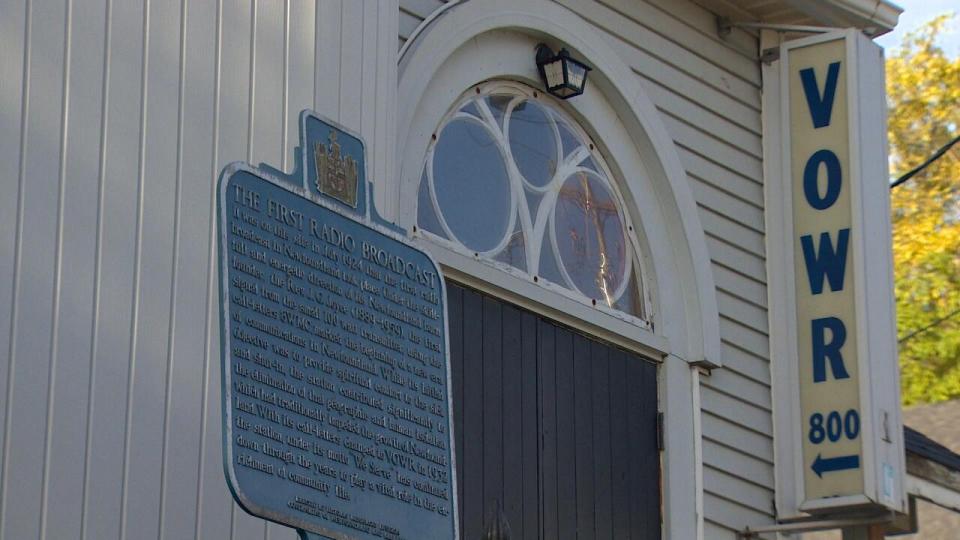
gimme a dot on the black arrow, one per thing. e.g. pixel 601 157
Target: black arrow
pixel 840 463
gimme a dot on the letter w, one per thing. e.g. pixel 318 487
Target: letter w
pixel 821 105
pixel 825 261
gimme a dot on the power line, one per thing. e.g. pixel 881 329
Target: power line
pixel 937 322
pixel 936 155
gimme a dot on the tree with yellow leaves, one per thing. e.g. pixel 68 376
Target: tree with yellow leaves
pixel 923 90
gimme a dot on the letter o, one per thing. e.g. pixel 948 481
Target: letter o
pixel 811 189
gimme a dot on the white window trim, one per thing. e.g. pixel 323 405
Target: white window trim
pixel 494 39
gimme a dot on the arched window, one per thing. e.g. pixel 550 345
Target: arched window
pixel 512 180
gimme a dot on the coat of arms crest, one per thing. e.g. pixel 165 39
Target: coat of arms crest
pixel 336 173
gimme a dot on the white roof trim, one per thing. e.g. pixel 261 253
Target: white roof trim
pixel 882 12
pixel 929 491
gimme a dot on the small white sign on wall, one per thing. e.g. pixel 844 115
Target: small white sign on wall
pixel 838 431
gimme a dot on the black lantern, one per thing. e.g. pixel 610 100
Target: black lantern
pixel 563 76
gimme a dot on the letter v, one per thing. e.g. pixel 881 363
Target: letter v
pixel 821 105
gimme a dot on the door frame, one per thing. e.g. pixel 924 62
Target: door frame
pixel 483 40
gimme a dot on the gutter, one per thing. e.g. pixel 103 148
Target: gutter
pixel 881 13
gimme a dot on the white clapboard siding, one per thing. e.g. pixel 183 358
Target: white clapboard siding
pixel 412 13
pixel 708 93
pixel 118 117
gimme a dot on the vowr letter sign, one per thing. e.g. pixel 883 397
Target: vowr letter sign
pixel 843 418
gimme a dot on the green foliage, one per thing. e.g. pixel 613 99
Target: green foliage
pixel 923 91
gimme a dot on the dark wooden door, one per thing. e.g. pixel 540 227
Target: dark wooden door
pixel 555 428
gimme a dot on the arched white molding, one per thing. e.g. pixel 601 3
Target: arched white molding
pixel 481 40
pixel 485 39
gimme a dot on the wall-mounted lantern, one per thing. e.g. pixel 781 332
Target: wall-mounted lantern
pixel 563 76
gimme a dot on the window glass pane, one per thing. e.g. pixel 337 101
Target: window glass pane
pixel 498 106
pixel 470 180
pixel 549 270
pixel 514 253
pixel 426 215
pixel 533 143
pixel 568 230
pixel 570 141
pixel 590 237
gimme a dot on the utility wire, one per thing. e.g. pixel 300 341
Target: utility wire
pixel 936 155
pixel 937 322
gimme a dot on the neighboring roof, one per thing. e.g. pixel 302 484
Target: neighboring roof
pixel 940 421
pixel 874 16
pixel 932 440
pixel 920 445
pixel 932 433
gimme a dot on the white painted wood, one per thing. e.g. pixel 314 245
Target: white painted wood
pixel 63 504
pixel 729 382
pixel 740 286
pixel 739 83
pixel 704 119
pixel 725 251
pixel 731 206
pixel 713 148
pixel 723 483
pixel 36 289
pixel 734 462
pixel 14 32
pixel 732 515
pixel 737 411
pixel 671 27
pixel 730 181
pixel 751 443
pixel 119 224
pixel 124 114
pixel 159 100
pixel 727 226
pixel 719 532
pixel 422 66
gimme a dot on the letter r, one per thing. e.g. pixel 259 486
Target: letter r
pixel 823 351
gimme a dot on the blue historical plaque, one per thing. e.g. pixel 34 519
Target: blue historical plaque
pixel 336 401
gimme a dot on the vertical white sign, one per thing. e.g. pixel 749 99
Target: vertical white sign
pixel 838 431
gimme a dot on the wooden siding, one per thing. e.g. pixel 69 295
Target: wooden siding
pixel 708 93
pixel 117 118
pixel 557 429
pixel 412 13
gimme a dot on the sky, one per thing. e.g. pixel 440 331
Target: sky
pixel 917 12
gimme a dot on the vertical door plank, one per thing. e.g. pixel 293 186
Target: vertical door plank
pixel 513 463
pixel 645 511
pixel 472 414
pixel 549 471
pixel 651 454
pixel 600 359
pixel 557 426
pixel 492 408
pixel 583 420
pixel 566 436
pixel 622 489
pixel 531 427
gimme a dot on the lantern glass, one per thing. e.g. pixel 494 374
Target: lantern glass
pixel 553 71
pixel 563 76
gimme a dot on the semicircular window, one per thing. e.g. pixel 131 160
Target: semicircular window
pixel 513 180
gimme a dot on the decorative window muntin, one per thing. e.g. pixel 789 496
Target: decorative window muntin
pixel 512 180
